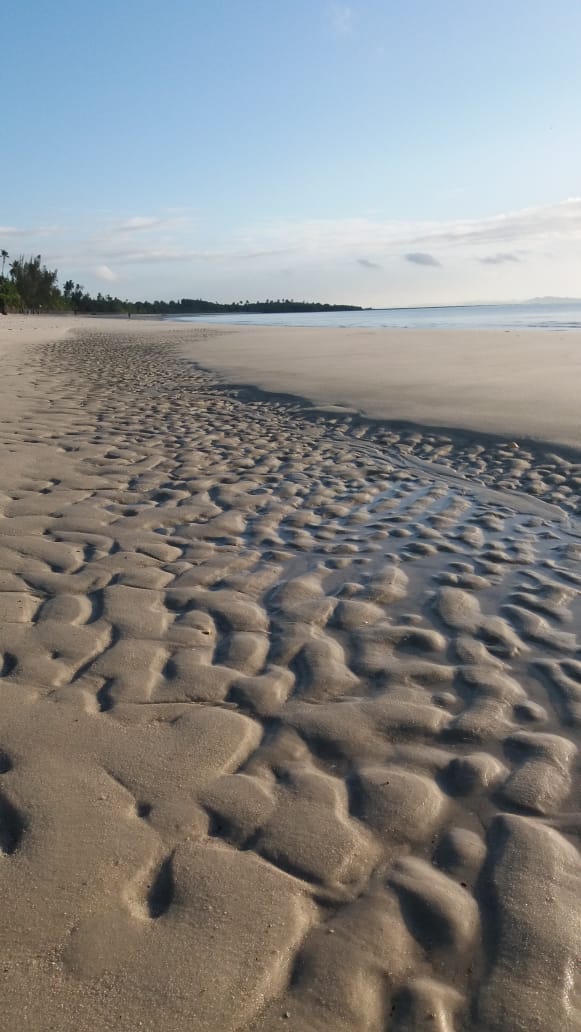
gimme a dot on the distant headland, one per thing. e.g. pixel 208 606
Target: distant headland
pixel 30 286
pixel 189 306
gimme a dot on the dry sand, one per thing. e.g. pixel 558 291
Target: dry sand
pixel 289 707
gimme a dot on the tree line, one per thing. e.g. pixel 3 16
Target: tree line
pixel 31 287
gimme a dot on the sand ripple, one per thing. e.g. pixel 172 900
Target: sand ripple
pixel 290 712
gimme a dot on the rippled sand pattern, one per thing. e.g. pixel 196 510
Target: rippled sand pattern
pixel 289 716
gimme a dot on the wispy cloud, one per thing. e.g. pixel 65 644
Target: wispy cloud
pixel 533 246
pixel 341 16
pixel 156 254
pixel 139 222
pixel 12 231
pixel 153 255
pixel 542 223
pixel 379 239
pixel 255 255
pixel 28 231
pixel 498 259
pixel 103 272
pixel 421 258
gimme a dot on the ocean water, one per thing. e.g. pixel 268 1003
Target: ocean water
pixel 534 315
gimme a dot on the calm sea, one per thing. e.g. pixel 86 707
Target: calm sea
pixel 554 315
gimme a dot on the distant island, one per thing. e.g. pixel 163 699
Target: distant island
pixel 31 287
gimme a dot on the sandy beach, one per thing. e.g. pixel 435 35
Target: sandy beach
pixel 521 383
pixel 290 699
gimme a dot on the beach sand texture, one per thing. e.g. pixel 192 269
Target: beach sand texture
pixel 290 706
pixel 522 383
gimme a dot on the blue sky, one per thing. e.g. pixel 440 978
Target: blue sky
pixel 373 152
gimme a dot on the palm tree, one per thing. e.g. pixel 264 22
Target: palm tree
pixel 3 255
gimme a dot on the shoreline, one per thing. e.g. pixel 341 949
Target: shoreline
pixel 459 434
pixel 556 457
pixel 320 373
pixel 465 380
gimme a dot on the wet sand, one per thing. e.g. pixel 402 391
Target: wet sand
pixel 290 706
pixel 516 383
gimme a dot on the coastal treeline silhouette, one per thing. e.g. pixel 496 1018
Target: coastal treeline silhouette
pixel 31 287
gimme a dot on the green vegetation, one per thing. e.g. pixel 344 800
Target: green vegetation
pixel 10 300
pixel 35 284
pixel 31 287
